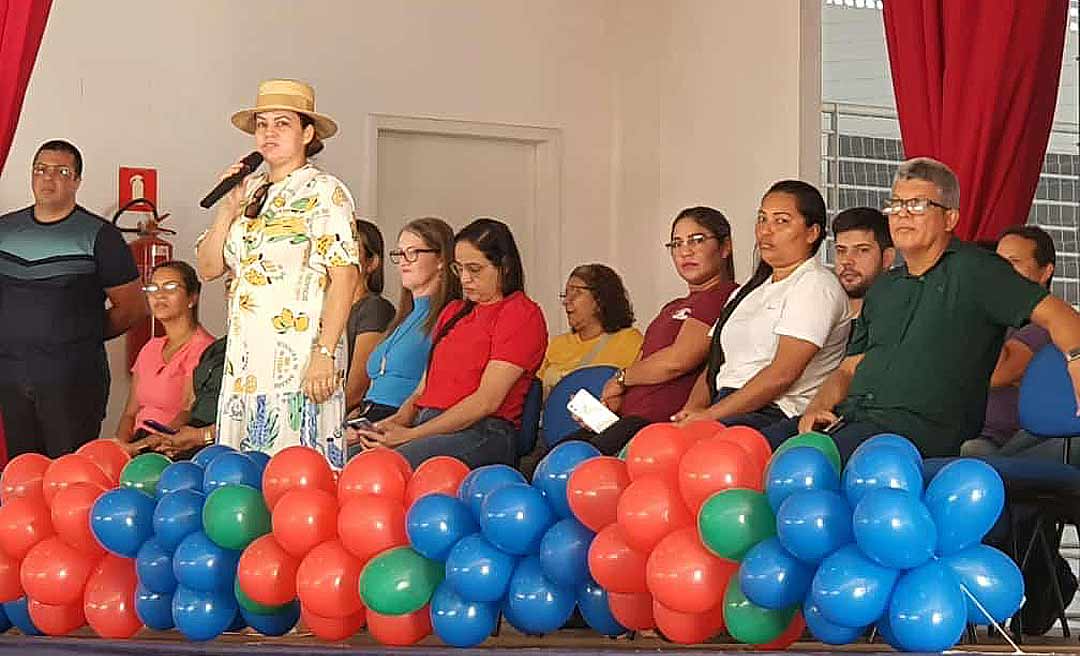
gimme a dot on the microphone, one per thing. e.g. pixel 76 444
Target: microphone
pixel 248 164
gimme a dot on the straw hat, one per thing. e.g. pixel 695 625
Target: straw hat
pixel 288 95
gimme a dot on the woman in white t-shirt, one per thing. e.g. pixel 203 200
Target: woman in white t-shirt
pixel 783 331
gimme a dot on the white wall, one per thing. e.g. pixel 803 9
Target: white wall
pixel 661 104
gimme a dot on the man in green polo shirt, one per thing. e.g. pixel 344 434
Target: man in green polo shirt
pixel 919 363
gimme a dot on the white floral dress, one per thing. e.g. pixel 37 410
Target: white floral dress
pixel 279 263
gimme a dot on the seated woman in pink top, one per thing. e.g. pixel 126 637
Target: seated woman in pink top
pixel 161 377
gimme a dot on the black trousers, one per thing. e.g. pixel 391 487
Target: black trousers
pixel 615 437
pixel 51 418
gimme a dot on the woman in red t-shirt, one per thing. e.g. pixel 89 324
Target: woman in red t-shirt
pixel 486 350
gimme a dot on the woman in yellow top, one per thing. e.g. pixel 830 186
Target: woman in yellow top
pixel 601 325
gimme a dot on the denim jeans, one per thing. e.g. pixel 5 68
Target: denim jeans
pixel 489 441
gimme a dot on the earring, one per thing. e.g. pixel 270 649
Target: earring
pixel 191 305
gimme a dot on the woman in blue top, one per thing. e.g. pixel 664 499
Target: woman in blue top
pixel 424 251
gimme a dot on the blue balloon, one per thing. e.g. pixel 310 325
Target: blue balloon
pixel 812 525
pixel 461 623
pixel 203 615
pixel 965 499
pixel 477 570
pixel 928 612
pixel 436 522
pixel 260 459
pixel 881 466
pixel 154 567
pixel 482 481
pixel 122 520
pixel 238 622
pixel 183 475
pixel 850 589
pixel 894 440
pixel 154 610
pixel 201 565
pixel 799 469
pixel 894 528
pixel 826 631
pixel 535 605
pixel 885 631
pixel 515 518
pixel 19 615
pixel 5 623
pixel 772 578
pixel 207 454
pixel 564 552
pixel 276 624
pixel 553 472
pixel 593 603
pixel 231 469
pixel 992 577
pixel 178 515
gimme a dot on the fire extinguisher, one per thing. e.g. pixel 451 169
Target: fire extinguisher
pixel 148 250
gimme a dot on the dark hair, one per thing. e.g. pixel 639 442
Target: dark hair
pixel 316 145
pixel 864 218
pixel 609 293
pixel 372 242
pixel 811 206
pixel 435 233
pixel 715 222
pixel 1045 253
pixel 61 146
pixel 188 276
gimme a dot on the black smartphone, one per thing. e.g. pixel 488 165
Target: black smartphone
pixel 362 423
pixel 159 427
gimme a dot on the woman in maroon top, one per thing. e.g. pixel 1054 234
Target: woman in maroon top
pixel 676 343
pixel 485 351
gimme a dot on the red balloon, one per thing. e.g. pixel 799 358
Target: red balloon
pixel 633 610
pixel 614 565
pixel 267 573
pixel 22 476
pixel 328 581
pixel 10 583
pixel 400 630
pixel 789 637
pixel 377 472
pixel 702 428
pixel 716 464
pixel 593 491
pixel 438 475
pixel 71 516
pixel 753 441
pixel 108 455
pixel 685 577
pixel 109 601
pixel 303 519
pixel 56 620
pixel 55 573
pixel 688 628
pixel 369 525
pixel 24 521
pixel 332 629
pixel 649 509
pixel 296 467
pixel 656 451
pixel 69 469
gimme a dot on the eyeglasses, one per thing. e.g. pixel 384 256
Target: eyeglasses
pixel 573 291
pixel 472 268
pixel 914 206
pixel 65 172
pixel 693 242
pixel 169 286
pixel 409 254
pixel 254 207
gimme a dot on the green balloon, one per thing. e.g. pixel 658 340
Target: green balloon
pixel 814 440
pixel 144 471
pixel 399 581
pixel 732 521
pixel 625 450
pixel 252 606
pixel 749 623
pixel 234 515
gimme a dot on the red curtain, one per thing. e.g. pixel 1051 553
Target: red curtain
pixel 976 82
pixel 22 23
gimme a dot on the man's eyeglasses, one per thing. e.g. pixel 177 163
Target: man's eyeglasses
pixel 154 288
pixel 409 254
pixel 693 242
pixel 65 172
pixel 573 291
pixel 914 206
pixel 253 208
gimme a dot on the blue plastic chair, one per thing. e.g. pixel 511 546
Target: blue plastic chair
pixel 530 418
pixel 557 423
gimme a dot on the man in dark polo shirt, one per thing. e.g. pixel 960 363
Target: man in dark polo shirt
pixel 919 363
pixel 58 265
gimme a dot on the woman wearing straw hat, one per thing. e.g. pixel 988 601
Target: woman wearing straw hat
pixel 285 238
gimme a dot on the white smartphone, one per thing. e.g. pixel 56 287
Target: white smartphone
pixel 588 409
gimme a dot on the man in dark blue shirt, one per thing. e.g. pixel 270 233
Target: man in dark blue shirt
pixel 58 265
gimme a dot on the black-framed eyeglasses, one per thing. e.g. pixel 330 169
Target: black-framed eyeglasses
pixel 258 199
pixel 409 254
pixel 42 170
pixel 573 291
pixel 693 242
pixel 914 206
pixel 168 286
